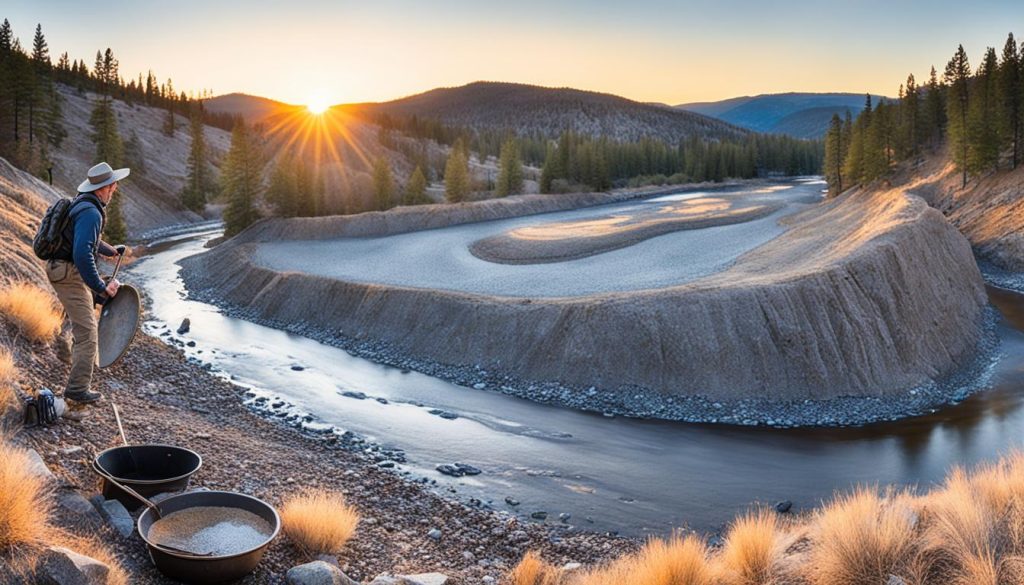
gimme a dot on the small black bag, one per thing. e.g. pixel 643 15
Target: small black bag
pixel 41 409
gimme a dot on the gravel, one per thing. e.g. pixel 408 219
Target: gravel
pixel 208 530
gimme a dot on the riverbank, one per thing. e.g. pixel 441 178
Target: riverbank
pixel 894 341
pixel 164 398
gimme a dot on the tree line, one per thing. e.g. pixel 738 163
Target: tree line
pixel 978 116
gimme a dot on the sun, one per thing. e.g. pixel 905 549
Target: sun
pixel 317 105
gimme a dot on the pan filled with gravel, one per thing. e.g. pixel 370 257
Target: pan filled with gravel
pixel 207 536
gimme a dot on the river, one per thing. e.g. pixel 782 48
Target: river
pixel 633 476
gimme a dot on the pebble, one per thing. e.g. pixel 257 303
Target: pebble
pixel 434 533
pixel 783 506
pixel 539 515
pixel 185 326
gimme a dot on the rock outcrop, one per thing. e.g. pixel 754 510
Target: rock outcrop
pixel 868 294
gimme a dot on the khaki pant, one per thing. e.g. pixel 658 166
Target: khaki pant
pixel 78 304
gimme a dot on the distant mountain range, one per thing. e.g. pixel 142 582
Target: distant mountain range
pixel 532 109
pixel 804 115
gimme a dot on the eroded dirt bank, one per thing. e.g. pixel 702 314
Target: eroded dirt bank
pixel 867 295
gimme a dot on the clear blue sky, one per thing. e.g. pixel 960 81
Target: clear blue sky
pixel 648 50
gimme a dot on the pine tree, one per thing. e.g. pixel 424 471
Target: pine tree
pixel 307 189
pixel 456 174
pixel 241 180
pixel 114 229
pixel 383 184
pixel 983 117
pixel 834 155
pixel 282 189
pixel 854 166
pixel 551 170
pixel 510 175
pixel 910 122
pixel 170 124
pixel 198 183
pixel 935 110
pixel 40 50
pixel 958 74
pixel 415 188
pixel 1011 97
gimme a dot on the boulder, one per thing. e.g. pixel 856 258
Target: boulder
pixel 317 573
pixel 61 566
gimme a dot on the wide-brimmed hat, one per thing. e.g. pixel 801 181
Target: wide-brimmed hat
pixel 100 176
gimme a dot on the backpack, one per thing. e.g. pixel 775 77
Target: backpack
pixel 50 235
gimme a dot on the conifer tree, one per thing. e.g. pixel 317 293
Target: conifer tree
pixel 935 110
pixel 957 75
pixel 551 170
pixel 910 121
pixel 983 118
pixel 834 155
pixel 415 188
pixel 241 180
pixel 456 174
pixel 854 166
pixel 198 182
pixel 1011 97
pixel 307 189
pixel 282 189
pixel 510 175
pixel 383 184
pixel 170 124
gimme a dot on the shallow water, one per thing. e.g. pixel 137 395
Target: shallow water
pixel 630 475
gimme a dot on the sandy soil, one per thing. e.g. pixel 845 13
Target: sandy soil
pixel 571 240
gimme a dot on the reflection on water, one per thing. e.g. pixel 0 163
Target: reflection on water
pixel 635 476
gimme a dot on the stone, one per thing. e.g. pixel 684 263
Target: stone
pixel 467 469
pixel 74 502
pixel 72 450
pixel 783 506
pixel 61 566
pixel 185 326
pixel 564 517
pixel 895 580
pixel 297 368
pixel 116 515
pixel 434 533
pixel 317 573
pixel 511 501
pixel 38 467
pixel 424 579
pixel 539 515
pixel 568 567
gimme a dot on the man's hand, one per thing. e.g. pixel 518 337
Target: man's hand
pixel 121 249
pixel 112 287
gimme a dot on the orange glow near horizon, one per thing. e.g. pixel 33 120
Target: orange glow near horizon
pixel 315 134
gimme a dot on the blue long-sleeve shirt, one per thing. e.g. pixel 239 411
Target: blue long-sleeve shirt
pixel 88 223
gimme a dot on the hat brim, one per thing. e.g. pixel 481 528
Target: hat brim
pixel 117 175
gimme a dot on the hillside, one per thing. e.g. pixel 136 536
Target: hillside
pixel 547 111
pixel 150 194
pixel 803 115
pixel 251 107
pixel 989 211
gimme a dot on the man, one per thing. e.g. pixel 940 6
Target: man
pixel 76 280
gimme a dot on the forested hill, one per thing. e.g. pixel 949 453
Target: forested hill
pixel 534 110
pixel 803 115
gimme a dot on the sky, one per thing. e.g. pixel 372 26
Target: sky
pixel 647 50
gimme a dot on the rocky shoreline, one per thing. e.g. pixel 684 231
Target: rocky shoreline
pixel 406 528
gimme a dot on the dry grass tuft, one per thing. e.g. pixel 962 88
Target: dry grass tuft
pixel 8 371
pixel 532 570
pixel 753 550
pixel 24 501
pixel 962 540
pixel 32 310
pixel 319 521
pixel 862 539
pixel 679 560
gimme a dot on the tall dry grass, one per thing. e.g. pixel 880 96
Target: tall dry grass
pixel 26 527
pixel 319 521
pixel 753 551
pixel 24 501
pixel 9 401
pixel 862 538
pixel 678 560
pixel 967 531
pixel 532 570
pixel 32 310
